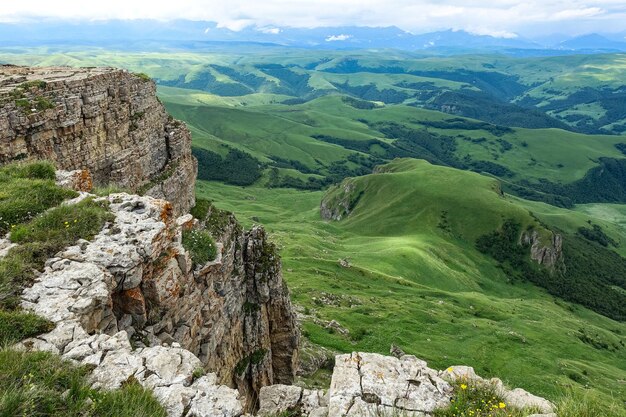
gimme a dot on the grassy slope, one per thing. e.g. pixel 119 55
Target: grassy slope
pixel 543 79
pixel 426 290
pixel 396 279
pixel 286 131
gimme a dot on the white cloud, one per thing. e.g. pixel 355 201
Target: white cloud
pixel 335 38
pixel 493 16
pixel 495 33
pixel 270 30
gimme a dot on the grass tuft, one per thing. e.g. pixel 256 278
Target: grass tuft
pixel 18 325
pixel 42 384
pixel 200 245
pixel 588 404
pixel 63 225
pixel 143 76
pixel 201 209
pixel 27 190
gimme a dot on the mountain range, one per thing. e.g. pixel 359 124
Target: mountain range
pixel 130 33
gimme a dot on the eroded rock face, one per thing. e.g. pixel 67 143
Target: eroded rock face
pixel 339 202
pixel 231 317
pixel 548 255
pixel 101 119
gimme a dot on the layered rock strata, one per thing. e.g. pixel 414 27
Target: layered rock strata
pixel 106 120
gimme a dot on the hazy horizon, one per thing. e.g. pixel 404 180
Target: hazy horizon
pixel 502 18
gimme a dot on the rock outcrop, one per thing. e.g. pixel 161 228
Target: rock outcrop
pixel 131 304
pixel 547 255
pixel 339 201
pixel 106 120
pixel 368 384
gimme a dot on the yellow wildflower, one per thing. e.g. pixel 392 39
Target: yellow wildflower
pixel 463 386
pixel 502 405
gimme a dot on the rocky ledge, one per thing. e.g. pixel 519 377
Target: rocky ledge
pixel 368 384
pixel 102 119
pixel 132 305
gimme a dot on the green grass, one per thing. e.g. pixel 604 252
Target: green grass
pixel 587 404
pixel 201 209
pixel 426 291
pixel 415 280
pixel 473 399
pixel 41 384
pixel 18 325
pixel 286 131
pixel 201 246
pixel 27 207
pixel 41 238
pixel 27 190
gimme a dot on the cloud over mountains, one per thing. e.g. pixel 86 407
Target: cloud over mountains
pixel 496 17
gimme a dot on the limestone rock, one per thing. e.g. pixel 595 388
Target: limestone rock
pixel 276 399
pixel 548 255
pixel 77 180
pixel 522 399
pixel 339 204
pixel 136 271
pixel 365 383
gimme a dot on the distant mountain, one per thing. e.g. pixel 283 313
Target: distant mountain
pixel 153 34
pixel 461 38
pixel 593 42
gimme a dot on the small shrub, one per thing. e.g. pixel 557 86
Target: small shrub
pixel 143 76
pixel 23 104
pixel 35 84
pixel 201 209
pixel 200 245
pixel 472 399
pixel 42 103
pixel 198 373
pixel 359 334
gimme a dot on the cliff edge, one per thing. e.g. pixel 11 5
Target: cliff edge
pixel 106 120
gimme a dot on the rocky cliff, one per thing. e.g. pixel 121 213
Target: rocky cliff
pixel 133 305
pixel 103 119
pixel 548 255
pixel 135 288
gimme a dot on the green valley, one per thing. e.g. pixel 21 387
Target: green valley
pixel 407 191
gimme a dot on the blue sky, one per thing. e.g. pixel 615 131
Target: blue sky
pixel 496 17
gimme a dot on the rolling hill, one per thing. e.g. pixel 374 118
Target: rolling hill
pixel 446 160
